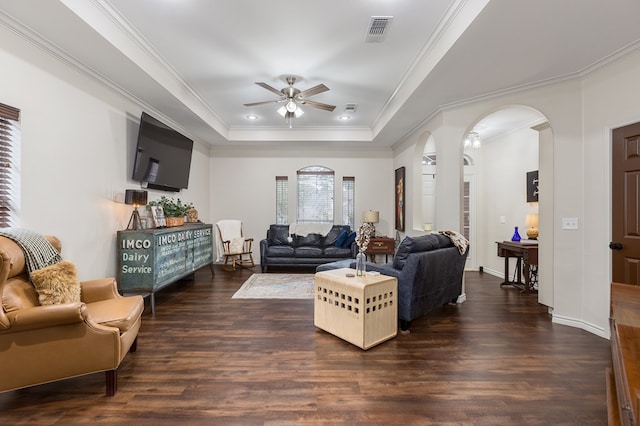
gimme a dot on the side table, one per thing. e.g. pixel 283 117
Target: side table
pixel 526 254
pixel 380 245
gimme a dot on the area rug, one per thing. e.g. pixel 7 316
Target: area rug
pixel 277 286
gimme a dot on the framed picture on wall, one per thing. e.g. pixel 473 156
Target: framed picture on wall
pixel 532 187
pixel 400 199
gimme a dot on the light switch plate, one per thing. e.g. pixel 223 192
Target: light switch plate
pixel 569 223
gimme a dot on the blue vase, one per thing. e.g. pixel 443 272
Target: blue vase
pixel 516 235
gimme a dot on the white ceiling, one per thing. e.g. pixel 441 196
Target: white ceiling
pixel 193 63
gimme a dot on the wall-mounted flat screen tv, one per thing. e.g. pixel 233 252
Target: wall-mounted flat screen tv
pixel 163 156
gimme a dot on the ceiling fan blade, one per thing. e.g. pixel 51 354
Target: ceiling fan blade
pixel 313 91
pixel 262 103
pixel 269 88
pixel 318 105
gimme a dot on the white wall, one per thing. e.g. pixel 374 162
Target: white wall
pixel 244 185
pixel 77 143
pixel 609 101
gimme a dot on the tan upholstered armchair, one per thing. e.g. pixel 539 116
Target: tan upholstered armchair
pixel 41 344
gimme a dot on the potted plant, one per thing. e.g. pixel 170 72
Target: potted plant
pixel 174 210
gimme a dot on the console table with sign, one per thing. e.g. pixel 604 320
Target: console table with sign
pixel 151 259
pixel 526 254
pixel 380 245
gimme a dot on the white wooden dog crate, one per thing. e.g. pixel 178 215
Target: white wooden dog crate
pixel 361 310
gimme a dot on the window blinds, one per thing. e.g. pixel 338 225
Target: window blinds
pixel 9 138
pixel 348 200
pixel 315 195
pixel 282 200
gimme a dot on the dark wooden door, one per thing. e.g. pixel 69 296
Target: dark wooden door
pixel 625 244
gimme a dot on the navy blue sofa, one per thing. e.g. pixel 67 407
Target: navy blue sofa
pixel 281 249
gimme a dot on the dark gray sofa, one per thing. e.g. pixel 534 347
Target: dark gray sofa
pixel 278 249
pixel 429 269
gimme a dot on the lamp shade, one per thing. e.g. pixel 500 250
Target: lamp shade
pixel 371 216
pixel 137 197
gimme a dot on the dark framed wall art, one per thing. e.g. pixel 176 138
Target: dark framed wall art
pixel 400 199
pixel 532 187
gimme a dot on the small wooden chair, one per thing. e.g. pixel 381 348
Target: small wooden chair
pixel 233 246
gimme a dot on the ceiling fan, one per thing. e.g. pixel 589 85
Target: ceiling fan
pixel 293 98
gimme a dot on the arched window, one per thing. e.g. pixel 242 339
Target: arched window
pixel 315 194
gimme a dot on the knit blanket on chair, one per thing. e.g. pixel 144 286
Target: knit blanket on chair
pixel 38 252
pixel 458 240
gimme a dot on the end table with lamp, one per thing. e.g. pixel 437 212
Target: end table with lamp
pixel 378 245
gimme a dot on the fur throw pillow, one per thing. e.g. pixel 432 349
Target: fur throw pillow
pixel 57 283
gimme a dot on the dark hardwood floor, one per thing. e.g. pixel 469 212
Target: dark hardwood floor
pixel 205 358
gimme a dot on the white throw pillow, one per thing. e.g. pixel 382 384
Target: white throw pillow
pixel 237 245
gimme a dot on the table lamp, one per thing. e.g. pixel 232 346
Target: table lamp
pixel 136 197
pixel 371 216
pixel 532 222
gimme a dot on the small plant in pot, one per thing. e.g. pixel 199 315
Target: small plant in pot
pixel 174 210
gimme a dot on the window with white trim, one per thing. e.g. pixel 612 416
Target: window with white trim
pixel 9 176
pixel 315 195
pixel 282 200
pixel 348 200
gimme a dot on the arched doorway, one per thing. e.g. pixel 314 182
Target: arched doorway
pixel 510 146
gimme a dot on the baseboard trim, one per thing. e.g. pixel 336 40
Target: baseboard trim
pixel 576 323
pixel 498 274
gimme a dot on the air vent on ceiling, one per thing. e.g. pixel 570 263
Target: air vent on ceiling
pixel 378 27
pixel 350 107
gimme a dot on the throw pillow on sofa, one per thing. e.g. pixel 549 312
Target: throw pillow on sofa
pixel 311 240
pixel 57 283
pixel 342 238
pixel 279 235
pixel 331 238
pixel 349 240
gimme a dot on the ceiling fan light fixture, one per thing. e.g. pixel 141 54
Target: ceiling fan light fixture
pixel 292 98
pixel 284 112
pixel 291 106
